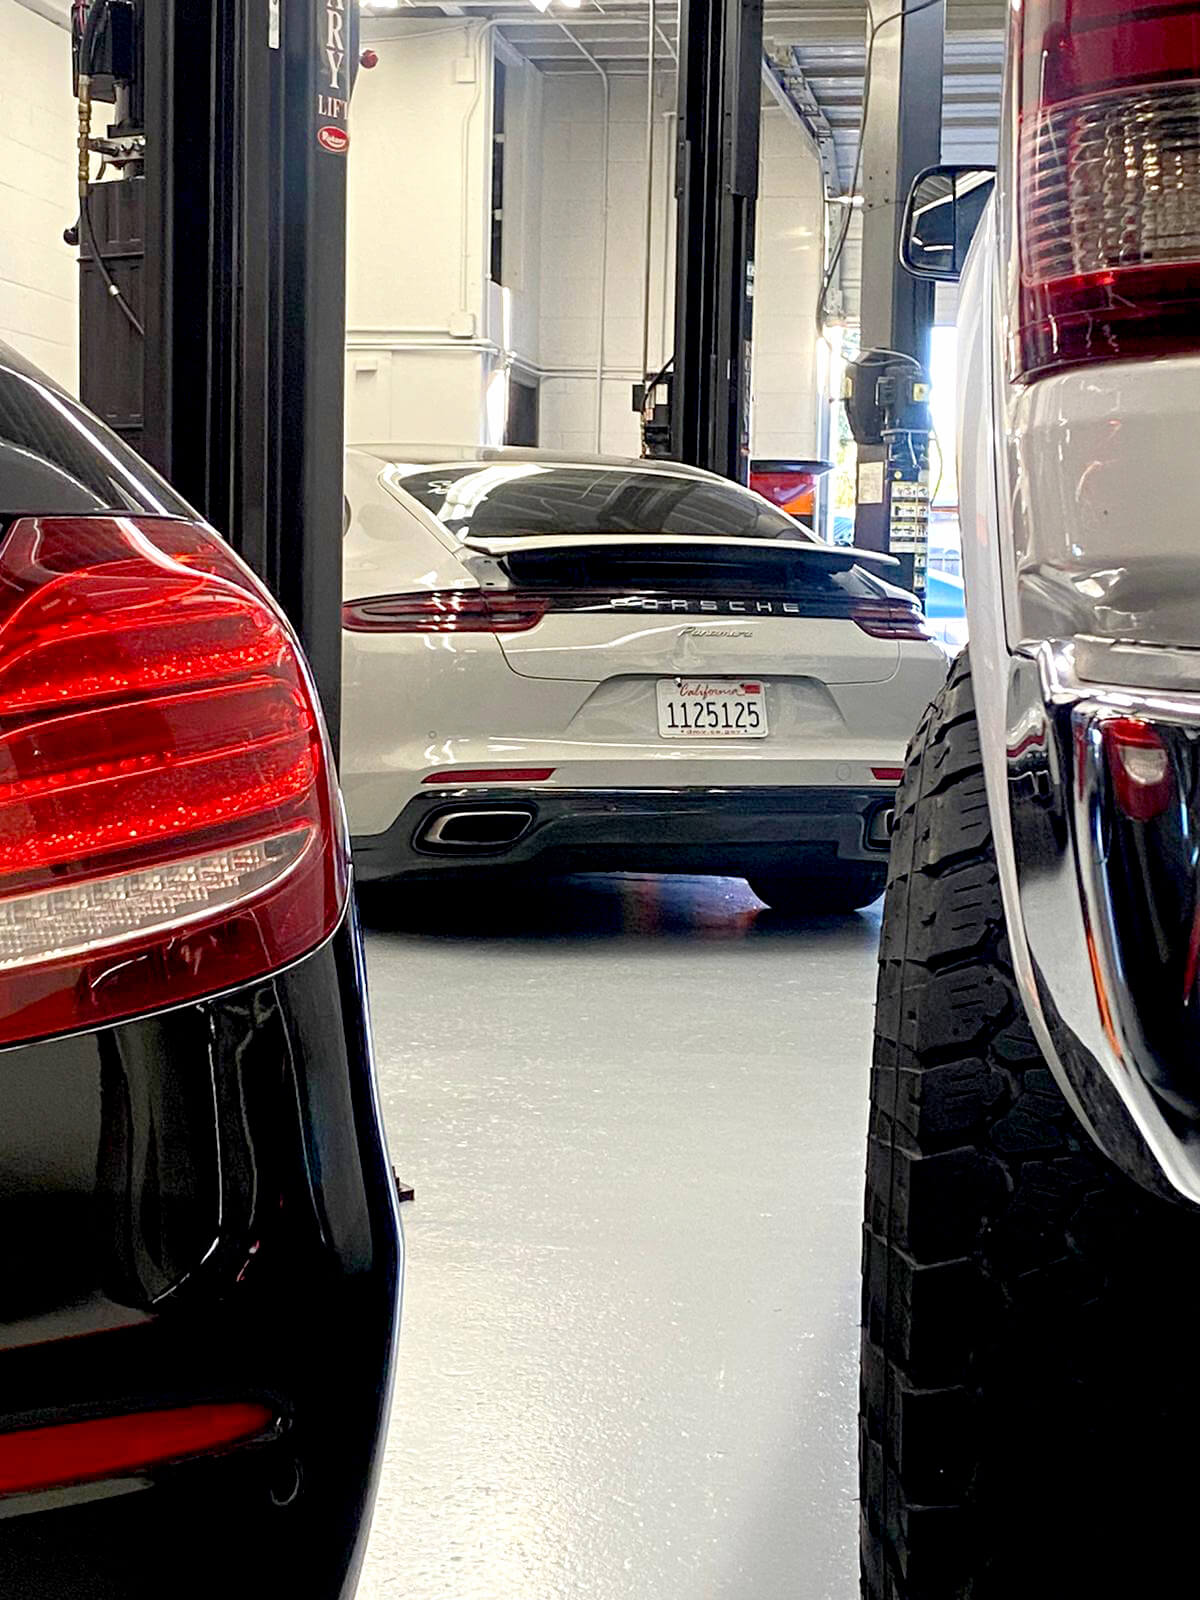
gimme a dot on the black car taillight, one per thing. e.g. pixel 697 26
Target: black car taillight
pixel 891 619
pixel 445 611
pixel 169 825
pixel 1107 180
pixel 517 610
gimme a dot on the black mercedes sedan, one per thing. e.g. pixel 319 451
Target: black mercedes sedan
pixel 200 1253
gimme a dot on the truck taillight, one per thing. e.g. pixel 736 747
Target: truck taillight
pixel 169 824
pixel 1108 180
pixel 1140 766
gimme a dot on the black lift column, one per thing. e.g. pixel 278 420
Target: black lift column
pixel 903 134
pixel 720 93
pixel 243 284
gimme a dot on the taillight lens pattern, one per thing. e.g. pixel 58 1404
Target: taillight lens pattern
pixel 1108 180
pixel 104 911
pixel 1140 765
pixel 169 824
pixel 891 619
pixel 445 611
pixel 1113 182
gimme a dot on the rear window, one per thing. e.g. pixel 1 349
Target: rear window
pixel 525 497
pixel 58 460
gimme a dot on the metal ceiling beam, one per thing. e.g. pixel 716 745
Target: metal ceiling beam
pixel 791 89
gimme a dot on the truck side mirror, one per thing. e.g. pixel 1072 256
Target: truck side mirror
pixel 943 210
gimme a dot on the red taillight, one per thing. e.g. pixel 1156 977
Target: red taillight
pixel 891 619
pixel 888 774
pixel 105 1447
pixel 1140 768
pixel 1108 180
pixel 168 821
pixel 445 611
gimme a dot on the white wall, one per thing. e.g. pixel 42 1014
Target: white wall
pixel 573 196
pixel 417 241
pixel 786 408
pixel 785 378
pixel 38 272
pixel 428 336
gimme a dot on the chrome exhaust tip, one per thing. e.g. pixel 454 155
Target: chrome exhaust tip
pixel 880 827
pixel 482 828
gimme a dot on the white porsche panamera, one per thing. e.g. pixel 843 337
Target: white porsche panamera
pixel 566 664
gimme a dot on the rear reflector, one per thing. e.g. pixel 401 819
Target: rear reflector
pixel 166 787
pixel 105 1447
pixel 491 775
pixel 888 774
pixel 1108 180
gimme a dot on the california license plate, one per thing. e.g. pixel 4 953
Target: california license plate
pixel 711 708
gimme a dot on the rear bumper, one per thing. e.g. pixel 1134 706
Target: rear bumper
pixel 730 832
pixel 1108 901
pixel 197 1208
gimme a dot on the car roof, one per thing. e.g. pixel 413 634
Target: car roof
pixel 14 362
pixel 443 455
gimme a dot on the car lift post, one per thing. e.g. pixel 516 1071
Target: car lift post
pixel 720 92
pixel 902 135
pixel 242 292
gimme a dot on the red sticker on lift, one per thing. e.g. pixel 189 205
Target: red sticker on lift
pixel 335 139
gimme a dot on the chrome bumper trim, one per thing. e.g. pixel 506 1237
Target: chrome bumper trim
pixel 1110 908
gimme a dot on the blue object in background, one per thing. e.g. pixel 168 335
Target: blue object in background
pixel 944 595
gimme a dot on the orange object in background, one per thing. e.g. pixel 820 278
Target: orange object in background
pixel 791 485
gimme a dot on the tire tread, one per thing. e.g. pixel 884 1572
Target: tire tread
pixel 999 1248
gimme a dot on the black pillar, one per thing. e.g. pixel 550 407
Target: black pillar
pixel 903 134
pixel 244 286
pixel 720 92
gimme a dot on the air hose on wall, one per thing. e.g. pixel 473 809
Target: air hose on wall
pixel 125 151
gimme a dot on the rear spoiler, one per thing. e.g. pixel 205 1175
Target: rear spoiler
pixel 833 557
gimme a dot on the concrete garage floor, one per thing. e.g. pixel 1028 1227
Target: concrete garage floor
pixel 633 1111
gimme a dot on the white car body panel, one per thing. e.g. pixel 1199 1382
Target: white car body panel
pixel 577 692
pixel 987 549
pixel 1067 484
pixel 594 648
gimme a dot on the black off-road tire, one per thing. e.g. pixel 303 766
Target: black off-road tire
pixel 1030 1379
pixel 813 895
